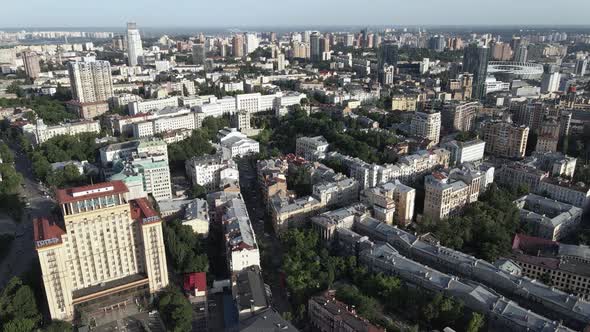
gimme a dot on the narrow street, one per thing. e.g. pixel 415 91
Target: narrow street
pixel 270 245
pixel 22 252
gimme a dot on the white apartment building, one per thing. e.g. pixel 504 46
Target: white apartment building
pixel 146 106
pixel 426 125
pixel 464 152
pixel 134 45
pixel 250 102
pixel 172 119
pixel 206 170
pixel 236 144
pixel 41 132
pixel 114 152
pixel 102 245
pixel 312 148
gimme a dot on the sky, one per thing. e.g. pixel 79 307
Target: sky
pixel 240 13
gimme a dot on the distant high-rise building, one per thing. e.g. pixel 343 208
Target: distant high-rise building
pixel 119 43
pixel 251 42
pixel 134 46
pixel 325 44
pixel 280 62
pixel 501 51
pixel 349 40
pixel 581 66
pixel 238 46
pixel 199 54
pixel 388 54
pixel 273 37
pixel 551 79
pixel 521 53
pixel 315 49
pixel 475 61
pixel 438 43
pixel 101 246
pixel 377 41
pixel 31 61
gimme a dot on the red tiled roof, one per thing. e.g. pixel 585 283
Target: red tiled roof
pixel 46 232
pixel 142 211
pixel 69 195
pixel 195 280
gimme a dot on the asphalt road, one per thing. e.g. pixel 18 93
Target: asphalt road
pixel 22 253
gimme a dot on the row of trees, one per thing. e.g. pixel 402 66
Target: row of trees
pixel 186 251
pixel 51 110
pixel 10 201
pixel 485 229
pixel 64 148
pixel 309 269
pixel 198 144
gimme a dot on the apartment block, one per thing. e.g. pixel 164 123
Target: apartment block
pixel 547 218
pixel 426 125
pixel 144 174
pixel 505 139
pixel 312 148
pixel 563 266
pixel 209 171
pixel 464 152
pixel 392 202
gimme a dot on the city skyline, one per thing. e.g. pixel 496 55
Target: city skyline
pixel 267 13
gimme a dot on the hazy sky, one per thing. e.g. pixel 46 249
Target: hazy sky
pixel 229 13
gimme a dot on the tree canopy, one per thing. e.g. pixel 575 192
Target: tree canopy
pixel 485 229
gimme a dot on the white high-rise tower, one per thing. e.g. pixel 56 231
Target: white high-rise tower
pixel 134 47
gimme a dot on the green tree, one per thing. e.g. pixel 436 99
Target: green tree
pixel 59 326
pixel 476 322
pixel 175 309
pixel 18 308
pixel 197 191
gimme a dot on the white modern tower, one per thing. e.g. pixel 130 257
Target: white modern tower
pixel 134 47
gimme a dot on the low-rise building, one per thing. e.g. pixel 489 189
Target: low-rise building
pixel 327 223
pixel 207 170
pixel 249 292
pixel 576 194
pixel 236 144
pixel 329 315
pixel 196 215
pixel 565 267
pixel 547 218
pixel 40 132
pixel 516 174
pixel 312 148
pixel 464 152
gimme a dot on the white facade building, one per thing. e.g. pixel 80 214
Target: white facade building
pixel 41 132
pixel 134 45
